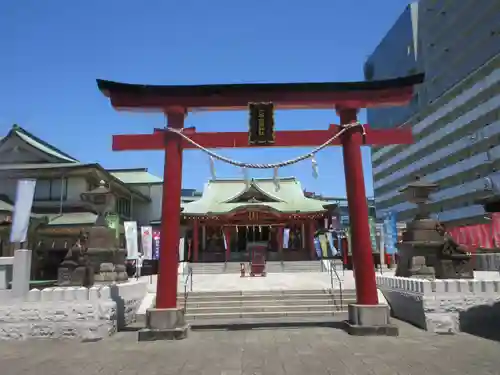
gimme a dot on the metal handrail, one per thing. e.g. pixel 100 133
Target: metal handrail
pixel 333 268
pixel 188 280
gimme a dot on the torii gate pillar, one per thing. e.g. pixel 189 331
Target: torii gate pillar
pixel 166 293
pixel 166 320
pixel 366 316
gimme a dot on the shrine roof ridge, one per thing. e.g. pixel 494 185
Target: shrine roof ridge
pixel 241 88
pixel 37 143
pixel 257 179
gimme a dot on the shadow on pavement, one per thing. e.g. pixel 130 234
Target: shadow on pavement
pixel 482 321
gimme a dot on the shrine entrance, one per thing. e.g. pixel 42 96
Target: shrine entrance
pixel 261 100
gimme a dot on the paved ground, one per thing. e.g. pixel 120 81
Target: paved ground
pixel 273 281
pixel 304 351
pixel 281 281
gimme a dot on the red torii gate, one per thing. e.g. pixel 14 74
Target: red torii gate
pixel 346 97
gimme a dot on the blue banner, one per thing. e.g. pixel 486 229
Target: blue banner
pixel 390 233
pixel 317 247
pixel 333 249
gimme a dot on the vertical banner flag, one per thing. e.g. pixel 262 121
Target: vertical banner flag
pixel 349 244
pixel 22 210
pixel 340 237
pixel 333 249
pixel 373 233
pixel 156 244
pixel 336 226
pixel 394 230
pixel 147 242
pixel 286 237
pixel 225 241
pixel 131 239
pixel 390 233
pixel 182 246
pixel 317 247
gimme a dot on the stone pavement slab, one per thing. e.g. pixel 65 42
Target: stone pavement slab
pixel 306 351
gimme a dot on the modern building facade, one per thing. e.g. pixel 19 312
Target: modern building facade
pixel 455 114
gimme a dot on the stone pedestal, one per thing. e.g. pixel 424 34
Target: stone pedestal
pixel 109 272
pixel 370 320
pixel 164 324
pixel 107 260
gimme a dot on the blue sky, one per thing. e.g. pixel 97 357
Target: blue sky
pixel 52 51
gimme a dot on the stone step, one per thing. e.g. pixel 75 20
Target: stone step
pixel 269 302
pixel 271 267
pixel 266 297
pixel 194 311
pixel 329 321
pixel 267 293
pixel 260 315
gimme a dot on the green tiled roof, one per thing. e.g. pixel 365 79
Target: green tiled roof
pixel 16 166
pixel 221 196
pixel 41 145
pixel 4 206
pixel 135 176
pixel 73 218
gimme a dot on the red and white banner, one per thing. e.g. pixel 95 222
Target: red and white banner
pixel 147 242
pixel 478 236
pixel 495 228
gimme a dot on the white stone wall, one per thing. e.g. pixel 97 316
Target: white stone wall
pixel 72 312
pixel 442 306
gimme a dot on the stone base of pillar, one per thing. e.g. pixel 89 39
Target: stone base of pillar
pixel 370 320
pixel 164 324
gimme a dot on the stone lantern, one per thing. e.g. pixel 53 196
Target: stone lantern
pixel 426 251
pixel 101 242
pixel 418 192
pixel 100 199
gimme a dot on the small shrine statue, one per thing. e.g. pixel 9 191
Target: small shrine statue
pixel 453 261
pixel 75 269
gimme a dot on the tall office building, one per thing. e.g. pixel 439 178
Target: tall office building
pixel 455 113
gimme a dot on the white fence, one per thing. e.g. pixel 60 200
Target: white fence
pixel 426 287
pixel 127 291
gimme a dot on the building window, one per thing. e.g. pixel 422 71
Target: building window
pixel 51 190
pixel 123 207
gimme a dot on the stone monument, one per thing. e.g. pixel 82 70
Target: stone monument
pixel 426 250
pixel 102 253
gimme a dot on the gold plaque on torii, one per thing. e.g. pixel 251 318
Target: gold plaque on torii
pixel 261 124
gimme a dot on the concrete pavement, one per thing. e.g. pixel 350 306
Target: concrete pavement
pixel 317 351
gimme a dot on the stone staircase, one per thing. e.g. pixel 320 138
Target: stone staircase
pixel 232 308
pixel 271 267
pixel 297 266
pixel 215 268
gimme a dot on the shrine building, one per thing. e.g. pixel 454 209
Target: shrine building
pixel 233 212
